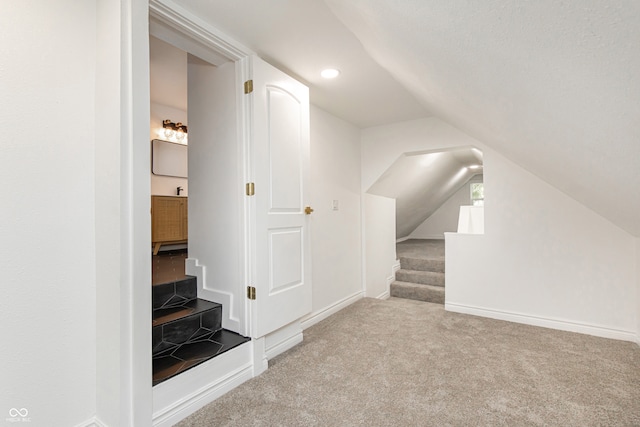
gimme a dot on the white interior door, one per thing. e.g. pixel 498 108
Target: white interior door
pixel 280 155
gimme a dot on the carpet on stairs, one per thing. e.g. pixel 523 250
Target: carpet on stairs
pixel 422 271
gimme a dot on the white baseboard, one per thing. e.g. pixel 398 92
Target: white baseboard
pixel 384 295
pixel 230 319
pixel 394 269
pixel 282 340
pixel 562 325
pixel 179 397
pixel 260 361
pixel 317 316
pixel 387 293
pixel 283 346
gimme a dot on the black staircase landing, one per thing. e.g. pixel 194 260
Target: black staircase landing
pixel 187 331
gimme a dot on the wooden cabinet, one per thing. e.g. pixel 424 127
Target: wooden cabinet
pixel 169 221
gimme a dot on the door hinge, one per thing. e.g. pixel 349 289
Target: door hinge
pixel 251 189
pixel 248 86
pixel 251 292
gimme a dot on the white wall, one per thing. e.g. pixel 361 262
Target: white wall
pixel 216 220
pixel 166 185
pixel 638 289
pixel 379 244
pixel 543 258
pixel 108 208
pixel 47 228
pixel 380 147
pixel 335 234
pixel 445 219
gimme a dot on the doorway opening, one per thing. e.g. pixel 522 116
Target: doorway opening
pixel 433 195
pixel 187 324
pixel 169 160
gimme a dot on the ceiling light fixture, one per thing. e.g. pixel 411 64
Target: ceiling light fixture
pixel 475 166
pixel 330 73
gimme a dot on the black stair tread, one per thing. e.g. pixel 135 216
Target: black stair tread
pixel 179 358
pixel 172 293
pixel 162 316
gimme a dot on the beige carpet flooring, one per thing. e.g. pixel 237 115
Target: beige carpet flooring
pixel 409 363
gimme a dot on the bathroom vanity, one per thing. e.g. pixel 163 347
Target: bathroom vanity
pixel 169 223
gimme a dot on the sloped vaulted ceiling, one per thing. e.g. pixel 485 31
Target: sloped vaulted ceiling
pixel 553 85
pixel 302 37
pixel 421 182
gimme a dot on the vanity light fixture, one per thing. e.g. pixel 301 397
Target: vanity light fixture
pixel 330 73
pixel 171 129
pixel 181 131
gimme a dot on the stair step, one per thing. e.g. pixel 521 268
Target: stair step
pixel 419 292
pixel 186 330
pixel 187 309
pixel 179 358
pixel 422 277
pixel 174 293
pixel 184 323
pixel 435 264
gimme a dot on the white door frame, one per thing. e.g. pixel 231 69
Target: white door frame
pixel 184 30
pixel 178 27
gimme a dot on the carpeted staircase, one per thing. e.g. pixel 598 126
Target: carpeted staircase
pixel 421 274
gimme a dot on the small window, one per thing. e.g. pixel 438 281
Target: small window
pixel 477 194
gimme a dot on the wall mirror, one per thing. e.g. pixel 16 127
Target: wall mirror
pixel 169 158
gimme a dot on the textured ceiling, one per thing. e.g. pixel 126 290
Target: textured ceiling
pixel 552 85
pixel 302 37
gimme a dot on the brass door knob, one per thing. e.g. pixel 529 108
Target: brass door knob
pixel 308 210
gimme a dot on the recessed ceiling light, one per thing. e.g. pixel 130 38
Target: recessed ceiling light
pixel 475 166
pixel 330 73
